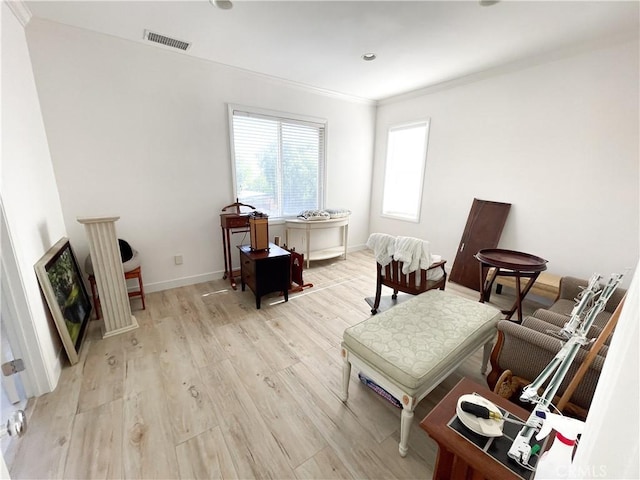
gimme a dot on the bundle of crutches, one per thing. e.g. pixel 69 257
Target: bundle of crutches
pixel 589 304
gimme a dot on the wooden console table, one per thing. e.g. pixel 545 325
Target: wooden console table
pixel 458 458
pixel 309 225
pixel 265 271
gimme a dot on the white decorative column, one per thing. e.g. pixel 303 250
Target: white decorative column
pixel 107 266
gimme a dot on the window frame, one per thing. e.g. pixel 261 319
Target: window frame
pixel 280 116
pixel 397 127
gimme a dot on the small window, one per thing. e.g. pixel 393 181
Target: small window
pixel 278 161
pixel 404 171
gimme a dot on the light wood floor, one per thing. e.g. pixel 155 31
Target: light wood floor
pixel 210 387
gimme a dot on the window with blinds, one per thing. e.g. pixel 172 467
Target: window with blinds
pixel 278 161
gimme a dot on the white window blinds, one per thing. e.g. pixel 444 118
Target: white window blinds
pixel 278 162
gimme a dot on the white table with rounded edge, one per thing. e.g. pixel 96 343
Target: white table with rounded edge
pixel 309 225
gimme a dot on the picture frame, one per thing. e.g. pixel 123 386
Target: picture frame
pixel 66 295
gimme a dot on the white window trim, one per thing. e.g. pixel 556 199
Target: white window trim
pixel 231 108
pixel 400 126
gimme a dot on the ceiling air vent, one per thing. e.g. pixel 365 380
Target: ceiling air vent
pixel 164 40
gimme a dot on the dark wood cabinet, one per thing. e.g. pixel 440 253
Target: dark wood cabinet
pixel 265 271
pixel 483 230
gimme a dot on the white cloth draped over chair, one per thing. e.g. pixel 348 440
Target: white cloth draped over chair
pixel 405 264
pixel 414 253
pixel 383 246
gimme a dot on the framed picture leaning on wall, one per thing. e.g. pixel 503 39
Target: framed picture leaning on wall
pixel 61 283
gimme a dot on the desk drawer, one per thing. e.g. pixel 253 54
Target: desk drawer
pixel 234 221
pixel 248 266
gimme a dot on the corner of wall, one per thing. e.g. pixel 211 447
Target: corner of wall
pixel 21 11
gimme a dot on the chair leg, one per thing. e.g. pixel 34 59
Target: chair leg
pixel 136 275
pixel 376 302
pixel 141 289
pixel 94 294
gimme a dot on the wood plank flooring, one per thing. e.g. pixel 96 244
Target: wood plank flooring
pixel 210 387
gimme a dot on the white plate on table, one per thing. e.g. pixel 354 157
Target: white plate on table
pixel 487 427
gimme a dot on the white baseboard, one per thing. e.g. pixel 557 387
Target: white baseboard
pixel 182 282
pixel 205 277
pixel 356 248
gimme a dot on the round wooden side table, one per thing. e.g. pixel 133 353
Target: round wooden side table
pixel 509 263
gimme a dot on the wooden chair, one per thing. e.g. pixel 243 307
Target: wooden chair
pixel 297 265
pixel 413 283
pixel 296 283
pixel 136 274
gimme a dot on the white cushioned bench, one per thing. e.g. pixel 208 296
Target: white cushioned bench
pixel 409 349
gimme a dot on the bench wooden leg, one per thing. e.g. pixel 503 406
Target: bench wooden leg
pixel 405 427
pixel 346 375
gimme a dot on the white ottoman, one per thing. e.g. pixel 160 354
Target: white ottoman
pixel 409 349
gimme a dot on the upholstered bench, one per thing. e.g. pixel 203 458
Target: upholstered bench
pixel 409 349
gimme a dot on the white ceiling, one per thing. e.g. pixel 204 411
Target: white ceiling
pixel 320 43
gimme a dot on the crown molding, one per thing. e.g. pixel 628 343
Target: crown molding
pixel 20 10
pixel 528 62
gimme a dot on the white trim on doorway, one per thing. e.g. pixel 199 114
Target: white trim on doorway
pixel 19 325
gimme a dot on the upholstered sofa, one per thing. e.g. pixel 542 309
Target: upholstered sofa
pixel 570 288
pixel 524 350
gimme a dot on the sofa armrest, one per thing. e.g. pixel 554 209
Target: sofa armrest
pixel 571 287
pixel 543 326
pixel 526 352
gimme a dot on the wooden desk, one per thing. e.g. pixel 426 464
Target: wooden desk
pixel 231 223
pixel 457 457
pixel 509 263
pixel 265 271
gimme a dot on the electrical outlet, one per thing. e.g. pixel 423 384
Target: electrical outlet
pixel 178 259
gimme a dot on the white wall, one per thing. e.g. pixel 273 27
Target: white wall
pixel 558 140
pixel 142 132
pixel 30 200
pixel 609 446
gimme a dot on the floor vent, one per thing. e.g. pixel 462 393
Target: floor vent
pixel 164 40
